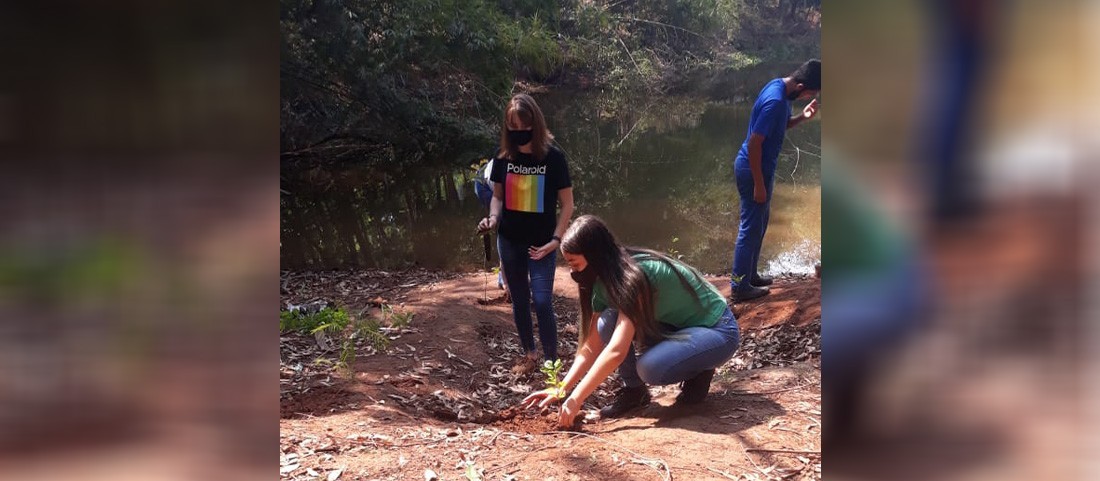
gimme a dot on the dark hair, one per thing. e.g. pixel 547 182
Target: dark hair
pixel 808 74
pixel 523 108
pixel 626 285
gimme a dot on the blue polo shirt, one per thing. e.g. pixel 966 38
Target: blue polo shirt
pixel 769 118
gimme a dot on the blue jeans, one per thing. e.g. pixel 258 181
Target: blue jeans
pixel 530 281
pixel 681 356
pixel 870 313
pixel 750 233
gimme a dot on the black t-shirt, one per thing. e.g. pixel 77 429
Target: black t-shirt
pixel 530 195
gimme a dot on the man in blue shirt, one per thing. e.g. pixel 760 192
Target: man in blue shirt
pixel 755 166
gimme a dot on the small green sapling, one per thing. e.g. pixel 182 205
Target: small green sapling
pixel 551 371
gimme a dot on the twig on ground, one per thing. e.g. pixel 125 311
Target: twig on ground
pixel 777 391
pixel 784 451
pixel 493 440
pixel 751 460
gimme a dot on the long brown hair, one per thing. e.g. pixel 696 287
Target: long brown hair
pixel 626 285
pixel 523 108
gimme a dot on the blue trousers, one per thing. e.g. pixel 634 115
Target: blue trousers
pixel 681 356
pixel 530 281
pixel 750 231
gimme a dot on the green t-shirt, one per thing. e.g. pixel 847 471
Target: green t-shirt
pixel 858 237
pixel 672 303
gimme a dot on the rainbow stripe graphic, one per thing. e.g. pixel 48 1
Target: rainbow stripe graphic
pixel 525 193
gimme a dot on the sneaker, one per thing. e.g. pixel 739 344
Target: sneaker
pixel 524 365
pixel 751 292
pixel 695 390
pixel 626 399
pixel 761 281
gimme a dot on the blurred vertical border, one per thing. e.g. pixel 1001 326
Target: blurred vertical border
pixel 959 240
pixel 138 240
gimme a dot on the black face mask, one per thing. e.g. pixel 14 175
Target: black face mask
pixel 585 277
pixel 520 137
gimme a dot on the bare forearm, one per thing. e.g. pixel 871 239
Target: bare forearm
pixel 795 120
pixel 604 365
pixel 756 163
pixel 586 355
pixel 581 363
pixel 497 202
pixel 563 219
pixel 611 356
pixel 565 198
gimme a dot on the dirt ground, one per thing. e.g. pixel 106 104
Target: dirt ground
pixel 438 402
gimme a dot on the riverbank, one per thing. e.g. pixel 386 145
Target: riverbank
pixel 433 399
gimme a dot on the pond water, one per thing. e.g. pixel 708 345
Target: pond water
pixel 658 170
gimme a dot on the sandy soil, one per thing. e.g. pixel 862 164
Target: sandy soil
pixel 439 400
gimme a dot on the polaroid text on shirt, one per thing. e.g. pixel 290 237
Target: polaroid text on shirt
pixel 526 170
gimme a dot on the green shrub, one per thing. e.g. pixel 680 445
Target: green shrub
pixel 328 319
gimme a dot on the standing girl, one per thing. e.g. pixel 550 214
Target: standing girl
pixel 530 180
pixel 642 299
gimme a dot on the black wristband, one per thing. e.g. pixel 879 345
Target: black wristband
pixel 556 238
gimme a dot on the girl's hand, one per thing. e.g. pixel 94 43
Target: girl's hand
pixel 537 253
pixel 542 398
pixel 487 224
pixel 569 410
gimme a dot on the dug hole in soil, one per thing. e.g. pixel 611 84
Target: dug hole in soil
pixel 441 396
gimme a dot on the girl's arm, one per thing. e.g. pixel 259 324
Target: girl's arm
pixel 497 203
pixel 565 198
pixel 495 206
pixel 586 355
pixel 608 360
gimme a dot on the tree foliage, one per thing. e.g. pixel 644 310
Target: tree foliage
pixel 388 84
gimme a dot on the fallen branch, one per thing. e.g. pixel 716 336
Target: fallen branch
pixel 640 118
pixel 751 460
pixel 784 451
pixel 640 459
pixel 636 19
pixel 777 391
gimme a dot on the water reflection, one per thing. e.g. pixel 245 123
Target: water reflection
pixel 659 171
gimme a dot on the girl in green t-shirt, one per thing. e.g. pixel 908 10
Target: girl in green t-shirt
pixel 679 322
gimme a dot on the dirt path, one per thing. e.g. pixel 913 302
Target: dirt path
pixel 432 400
